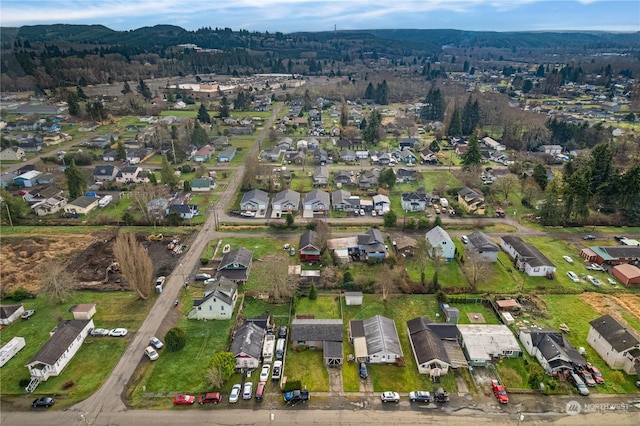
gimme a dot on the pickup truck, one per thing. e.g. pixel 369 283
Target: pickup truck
pixel 296 396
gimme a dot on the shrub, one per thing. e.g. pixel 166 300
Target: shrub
pixel 20 293
pixel 68 384
pixel 175 339
pixel 24 382
pixel 313 292
pixel 204 260
pixel 292 385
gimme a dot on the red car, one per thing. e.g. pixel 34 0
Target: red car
pixel 597 375
pixel 499 391
pixel 183 399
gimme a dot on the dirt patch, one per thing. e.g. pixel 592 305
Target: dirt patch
pixel 476 318
pixel 613 304
pixel 87 257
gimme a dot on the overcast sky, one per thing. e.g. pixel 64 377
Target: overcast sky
pixel 312 15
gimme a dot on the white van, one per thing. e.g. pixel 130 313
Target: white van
pixel 151 353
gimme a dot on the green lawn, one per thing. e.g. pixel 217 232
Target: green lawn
pixel 325 306
pixel 95 359
pixel 308 367
pixel 475 308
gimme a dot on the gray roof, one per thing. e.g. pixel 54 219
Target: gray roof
pixel 66 332
pixel 414 196
pixel 84 201
pixel 289 195
pixel 310 238
pixel 381 335
pixel 105 170
pixel 482 243
pixel 317 195
pixel 332 349
pixel 240 256
pixel 436 235
pixel 427 345
pixel 7 310
pixel 224 289
pixel 617 335
pixel 553 345
pixel 327 330
pixel 256 195
pixel 527 252
pixel 339 196
pixel 248 339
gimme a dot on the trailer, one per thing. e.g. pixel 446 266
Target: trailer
pixel 444 202
pixel 268 348
pixel 104 201
pixel 10 349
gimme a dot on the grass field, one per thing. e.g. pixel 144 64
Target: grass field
pixel 325 306
pixel 95 359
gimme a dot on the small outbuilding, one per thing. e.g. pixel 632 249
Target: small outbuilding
pixel 629 275
pixel 10 313
pixel 353 298
pixel 451 315
pixel 84 311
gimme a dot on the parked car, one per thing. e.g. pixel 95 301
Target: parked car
pixel 465 239
pixel 209 398
pixel 296 396
pixel 184 399
pixel 373 213
pixel 247 392
pixel 573 277
pixel 150 351
pixel 118 332
pixel 156 343
pixel 420 396
pixel 248 214
pixel 363 371
pixel 578 383
pixel 390 396
pixel 589 237
pixel 264 373
pixel 260 391
pixel 361 212
pixel 568 259
pixel 499 392
pixel 202 277
pixel 282 332
pixel 277 370
pixel 28 314
pixel 234 395
pixel 593 280
pixel 597 375
pixel 611 281
pixel 587 377
pixel 43 401
pixel 619 238
pixel 595 267
pixel 99 332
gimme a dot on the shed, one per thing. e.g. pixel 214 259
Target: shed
pixel 508 304
pixel 10 313
pixel 353 298
pixel 629 275
pixel 451 315
pixel 84 311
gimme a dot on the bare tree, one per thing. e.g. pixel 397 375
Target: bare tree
pixel 135 264
pixel 57 282
pixel 274 276
pixel 422 256
pixel 477 269
pixel 506 184
pixel 142 196
pixel 213 376
pixel 324 233
pixel 387 282
pixel 349 132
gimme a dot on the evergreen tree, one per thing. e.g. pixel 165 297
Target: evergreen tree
pixel 241 102
pixel 224 107
pixel 371 133
pixel 144 90
pixel 601 168
pixel 122 151
pixel 540 71
pixel 540 176
pixel 73 103
pixel 76 181
pixel 168 174
pixel 434 106
pixel 199 136
pixel 80 92
pixel 455 127
pixel 12 209
pixel 472 158
pixel 434 146
pixel 382 93
pixel 126 88
pixel 470 116
pixel 387 177
pixel 344 113
pixel 203 115
pixel 369 93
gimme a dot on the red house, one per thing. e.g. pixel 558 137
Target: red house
pixel 310 248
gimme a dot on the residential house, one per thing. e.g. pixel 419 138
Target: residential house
pixel 256 201
pixel 183 210
pixel 381 203
pixel 246 346
pixel 353 298
pixel 285 202
pixel 101 141
pixel 551 149
pixel 321 176
pixel 263 321
pixel 296 157
pixel 272 154
pixel 405 175
pixel 371 245
pixel 414 201
pixel 133 156
pixel 484 343
pixel 383 159
pixel 611 255
pixel 227 154
pixel 375 340
pixel 31 145
pixel 471 201
pixel 362 154
pixel 13 153
pixel 551 348
pixel 203 154
pixel 435 346
pixel 66 339
pixel 50 205
pixel 202 184
pixel 348 156
pixel 10 313
pixel 493 144
pixel 404 245
pixel 315 203
pixel 342 177
pixel 157 208
pixel 28 179
pixel 40 194
pixel 440 243
pixel 482 246
pixel 110 155
pixel 132 174
pixel 461 149
pixel 368 179
pixel 310 247
pixel 235 265
pixel 427 156
pixel 342 200
pixel 82 205
pixel 325 334
pixel 409 143
pixel 617 345
pixel 407 157
pixel 218 301
pixel 320 156
pixel 105 173
pixel 527 257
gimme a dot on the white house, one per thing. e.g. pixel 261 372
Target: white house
pixel 246 346
pixel 618 346
pixel 441 243
pixel 218 301
pixel 10 313
pixel 483 343
pixel 285 202
pixel 9 350
pixel 375 340
pixel 435 346
pixel 66 339
pixel 551 348
pixel 527 257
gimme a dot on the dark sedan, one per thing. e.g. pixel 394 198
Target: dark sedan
pixel 43 401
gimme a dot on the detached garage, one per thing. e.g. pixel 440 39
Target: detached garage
pixel 628 275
